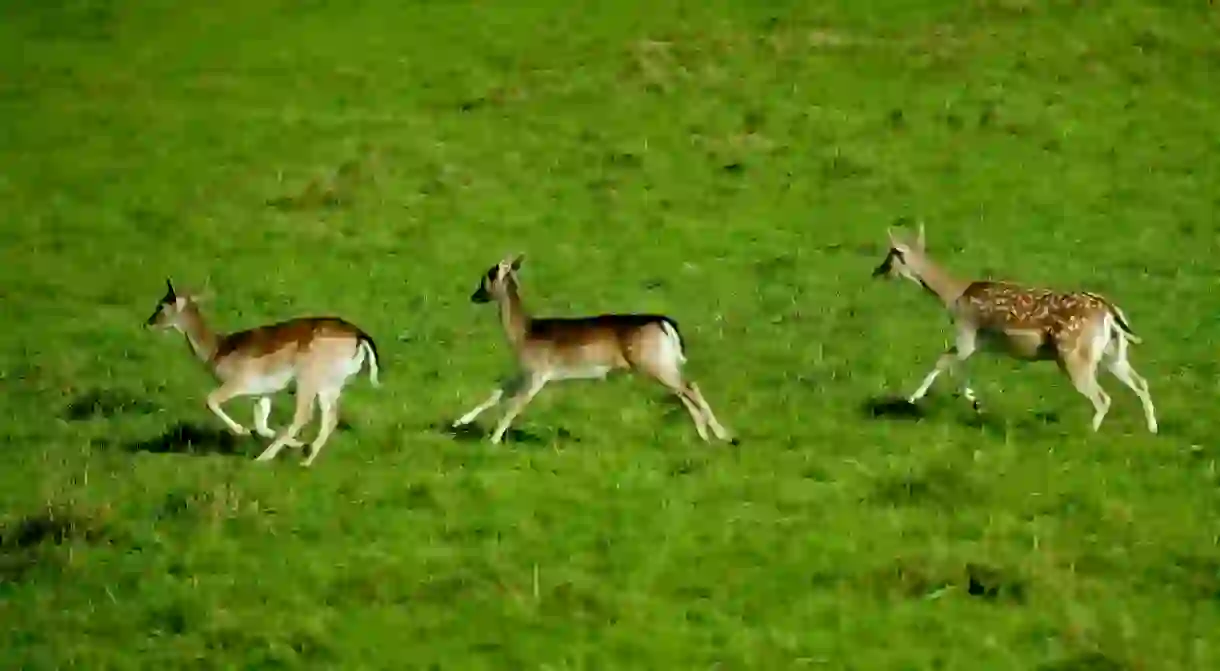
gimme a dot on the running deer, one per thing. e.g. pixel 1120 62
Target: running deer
pixel 1077 330
pixel 583 348
pixel 319 353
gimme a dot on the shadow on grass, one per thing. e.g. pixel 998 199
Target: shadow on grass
pixel 1000 426
pixel 54 527
pixel 898 408
pixel 186 438
pixel 105 403
pixel 473 433
pixel 892 407
pixel 23 540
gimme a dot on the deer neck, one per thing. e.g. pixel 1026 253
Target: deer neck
pixel 513 316
pixel 201 339
pixel 936 280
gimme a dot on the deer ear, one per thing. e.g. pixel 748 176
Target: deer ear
pixel 169 290
pixel 517 261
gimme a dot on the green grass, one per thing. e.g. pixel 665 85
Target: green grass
pixel 731 164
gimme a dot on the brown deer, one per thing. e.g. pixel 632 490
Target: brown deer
pixel 318 353
pixel 554 349
pixel 1077 330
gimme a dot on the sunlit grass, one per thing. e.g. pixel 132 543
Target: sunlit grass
pixel 732 166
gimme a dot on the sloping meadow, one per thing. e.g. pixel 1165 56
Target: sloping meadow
pixel 732 165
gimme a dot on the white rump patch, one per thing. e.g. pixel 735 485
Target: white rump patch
pixel 675 342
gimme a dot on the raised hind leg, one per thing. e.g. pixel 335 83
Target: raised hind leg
pixel 667 370
pixel 717 428
pixel 1117 363
pixel 674 383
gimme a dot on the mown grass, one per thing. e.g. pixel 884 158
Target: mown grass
pixel 731 164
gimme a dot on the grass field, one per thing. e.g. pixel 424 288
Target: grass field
pixel 734 165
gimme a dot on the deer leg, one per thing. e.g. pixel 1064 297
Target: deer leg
pixel 695 412
pixel 697 396
pixel 945 362
pixel 328 400
pixel 218 397
pixel 671 378
pixel 967 343
pixel 511 387
pixel 949 361
pixel 305 396
pixel 262 412
pixel 1121 368
pixel 1083 373
pixel 518 402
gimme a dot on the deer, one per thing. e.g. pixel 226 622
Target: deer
pixel 589 348
pixel 1077 330
pixel 318 354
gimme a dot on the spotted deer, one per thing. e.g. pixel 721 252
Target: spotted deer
pixel 319 354
pixel 1077 330
pixel 553 349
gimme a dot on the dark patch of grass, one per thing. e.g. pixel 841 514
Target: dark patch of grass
pixel 1197 576
pixel 918 579
pixel 839 167
pixel 682 467
pixel 994 584
pixel 1086 661
pixel 187 438
pixel 473 433
pixel 892 407
pixel 315 195
pixel 26 542
pixel 106 403
pixel 337 190
pixel 937 486
pixel 53 526
pixel 419 496
pixel 623 159
pixel 575 601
